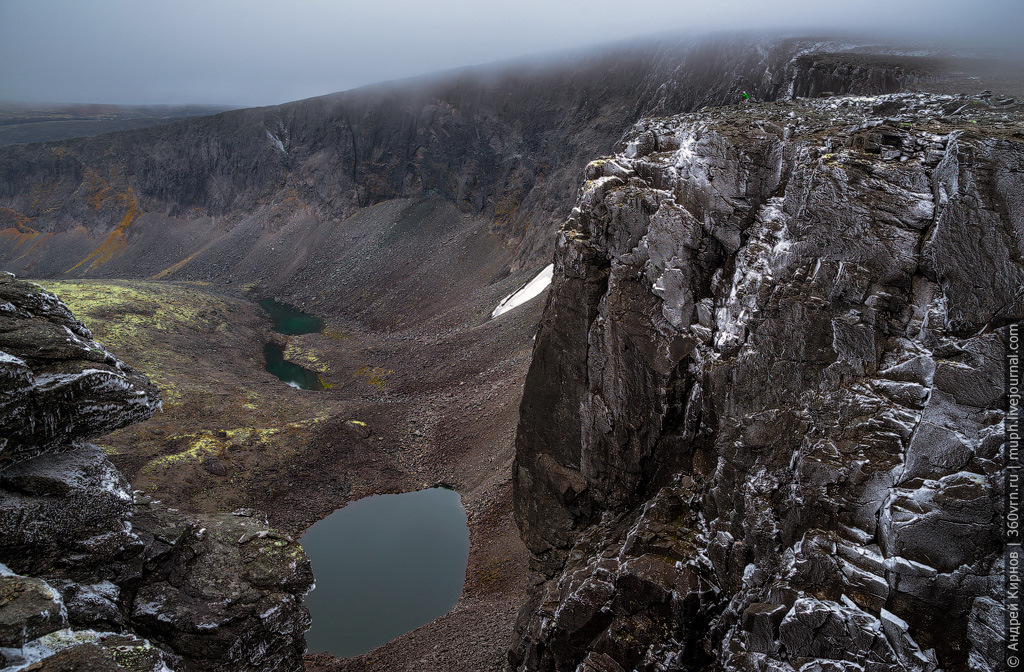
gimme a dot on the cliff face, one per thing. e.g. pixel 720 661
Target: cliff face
pixel 506 145
pixel 90 570
pixel 763 425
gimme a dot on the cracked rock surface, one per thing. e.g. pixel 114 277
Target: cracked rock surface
pixel 763 427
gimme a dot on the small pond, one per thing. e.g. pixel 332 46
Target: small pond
pixel 293 374
pixel 292 321
pixel 384 565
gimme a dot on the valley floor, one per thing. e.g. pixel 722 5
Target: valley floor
pixel 442 408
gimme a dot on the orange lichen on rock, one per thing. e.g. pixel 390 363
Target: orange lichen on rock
pixel 96 188
pixel 15 229
pixel 117 240
pixel 178 266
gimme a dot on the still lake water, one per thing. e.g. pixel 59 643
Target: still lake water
pixel 292 321
pixel 293 374
pixel 384 565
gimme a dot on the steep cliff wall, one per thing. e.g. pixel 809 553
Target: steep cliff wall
pixel 763 425
pixel 503 144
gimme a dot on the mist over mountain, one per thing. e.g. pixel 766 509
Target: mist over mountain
pixel 706 332
pixel 255 52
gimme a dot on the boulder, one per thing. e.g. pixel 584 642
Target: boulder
pixel 64 509
pixel 224 592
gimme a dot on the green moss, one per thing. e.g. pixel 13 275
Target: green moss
pixel 215 443
pixel 302 350
pixel 375 375
pixel 141 657
pixel 131 319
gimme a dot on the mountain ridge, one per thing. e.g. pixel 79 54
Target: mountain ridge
pixel 506 147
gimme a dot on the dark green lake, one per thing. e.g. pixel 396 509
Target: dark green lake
pixel 291 320
pixel 293 374
pixel 384 565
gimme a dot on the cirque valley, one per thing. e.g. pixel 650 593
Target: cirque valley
pixel 754 423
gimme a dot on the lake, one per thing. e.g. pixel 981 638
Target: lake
pixel 384 565
pixel 291 321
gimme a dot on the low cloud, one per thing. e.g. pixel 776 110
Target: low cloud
pixel 259 52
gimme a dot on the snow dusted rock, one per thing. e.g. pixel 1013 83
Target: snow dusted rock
pixel 763 426
pixel 74 650
pixel 57 385
pixel 34 632
pixel 70 508
pixel 224 592
pixel 29 608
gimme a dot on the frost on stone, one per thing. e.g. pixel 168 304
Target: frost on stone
pixel 778 393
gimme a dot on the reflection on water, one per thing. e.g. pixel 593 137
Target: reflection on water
pixel 384 565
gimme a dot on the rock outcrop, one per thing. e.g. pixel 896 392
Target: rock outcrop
pixel 95 576
pixel 763 427
pixel 58 387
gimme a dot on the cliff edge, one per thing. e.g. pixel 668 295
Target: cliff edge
pixel 763 426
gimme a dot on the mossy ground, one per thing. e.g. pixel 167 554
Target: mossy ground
pixel 439 407
pixel 205 351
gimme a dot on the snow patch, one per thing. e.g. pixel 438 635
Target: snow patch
pixel 276 141
pixel 11 359
pixel 685 153
pixel 529 291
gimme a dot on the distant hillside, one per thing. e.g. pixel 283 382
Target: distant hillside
pixel 240 194
pixel 25 122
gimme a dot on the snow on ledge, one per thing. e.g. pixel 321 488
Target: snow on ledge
pixel 528 291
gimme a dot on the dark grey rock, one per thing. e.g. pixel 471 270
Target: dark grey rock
pixel 88 650
pixel 95 606
pixel 761 623
pixel 762 426
pixel 224 592
pixel 69 508
pixel 29 608
pixel 57 385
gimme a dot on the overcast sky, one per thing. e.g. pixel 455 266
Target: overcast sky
pixel 256 52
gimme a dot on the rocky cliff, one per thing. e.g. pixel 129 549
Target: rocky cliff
pixel 94 576
pixel 763 427
pixel 195 199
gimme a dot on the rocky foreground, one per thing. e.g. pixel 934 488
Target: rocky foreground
pixel 96 577
pixel 763 427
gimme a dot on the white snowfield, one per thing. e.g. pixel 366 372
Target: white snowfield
pixel 529 291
